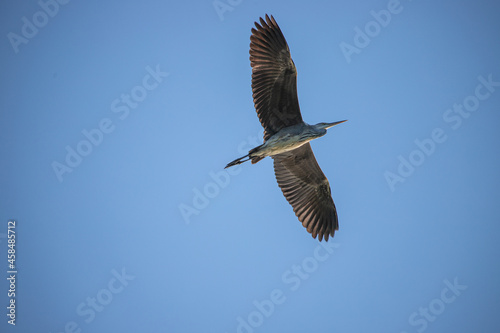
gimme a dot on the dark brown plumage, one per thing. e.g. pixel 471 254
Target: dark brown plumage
pixel 307 189
pixel 274 78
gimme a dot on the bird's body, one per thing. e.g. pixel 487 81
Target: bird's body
pixel 289 138
pixel 286 135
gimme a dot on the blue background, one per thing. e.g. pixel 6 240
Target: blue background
pixel 197 245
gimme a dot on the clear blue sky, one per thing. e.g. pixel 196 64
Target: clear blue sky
pixel 118 118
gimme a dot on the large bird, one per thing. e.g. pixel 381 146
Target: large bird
pixel 286 135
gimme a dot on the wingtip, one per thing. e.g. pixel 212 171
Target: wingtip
pixel 262 22
pixel 265 22
pixel 326 236
pixel 272 20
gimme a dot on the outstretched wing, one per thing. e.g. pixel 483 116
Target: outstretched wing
pixel 306 188
pixel 274 78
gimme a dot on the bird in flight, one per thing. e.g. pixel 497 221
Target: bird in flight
pixel 286 135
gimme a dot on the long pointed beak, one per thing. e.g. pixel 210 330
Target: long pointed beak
pixel 329 125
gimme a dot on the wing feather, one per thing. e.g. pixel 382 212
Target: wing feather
pixel 274 78
pixel 306 188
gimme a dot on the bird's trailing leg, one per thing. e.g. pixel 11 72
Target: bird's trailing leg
pixel 251 156
pixel 237 161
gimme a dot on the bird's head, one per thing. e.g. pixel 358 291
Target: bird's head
pixel 326 126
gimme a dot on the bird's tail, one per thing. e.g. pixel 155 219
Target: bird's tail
pixel 240 160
